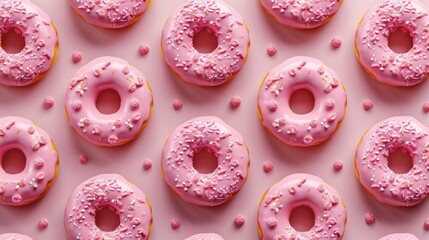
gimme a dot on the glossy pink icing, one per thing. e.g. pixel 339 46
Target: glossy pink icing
pixel 385 65
pixel 371 161
pixel 109 13
pixel 228 147
pixel 205 236
pixel 108 129
pixel 14 236
pixel 38 55
pixel 41 161
pixel 205 69
pixel 399 236
pixel 302 129
pixel 108 190
pixel 301 190
pixel 302 14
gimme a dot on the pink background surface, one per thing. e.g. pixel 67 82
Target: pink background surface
pixel 127 160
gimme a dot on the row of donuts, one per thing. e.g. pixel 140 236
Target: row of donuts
pixel 219 186
pixel 215 16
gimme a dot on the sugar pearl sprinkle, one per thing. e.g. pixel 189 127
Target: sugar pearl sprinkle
pixel 367 104
pixel 48 102
pixel 83 159
pixel 36 57
pixel 76 56
pixel 43 223
pixel 297 189
pixel 235 101
pixel 426 107
pixel 271 49
pixel 338 165
pixel 107 190
pixel 41 160
pixel 147 164
pixel 372 42
pixel 369 218
pixel 267 166
pixel 177 104
pixel 144 49
pixel 205 69
pixel 336 42
pixel 239 220
pixel 175 223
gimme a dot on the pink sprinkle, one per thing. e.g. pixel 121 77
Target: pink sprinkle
pixel 369 218
pixel 144 49
pixel 147 164
pixel 336 42
pixel 239 220
pixel 426 107
pixel 83 158
pixel 271 49
pixel 426 224
pixel 43 223
pixel 367 104
pixel 48 102
pixel 268 166
pixel 177 104
pixel 76 56
pixel 338 165
pixel 175 223
pixel 235 101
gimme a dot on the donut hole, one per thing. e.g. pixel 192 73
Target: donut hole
pixel 205 41
pixel 400 40
pixel 12 41
pixel 204 161
pixel 302 101
pixel 107 219
pixel 108 101
pixel 13 161
pixel 302 218
pixel 400 161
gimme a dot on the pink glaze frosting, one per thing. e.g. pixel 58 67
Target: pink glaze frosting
pixel 227 146
pixel 301 190
pixel 302 14
pixel 14 236
pixel 41 161
pixel 205 69
pixel 205 236
pixel 371 161
pixel 108 190
pixel 302 129
pixel 399 236
pixel 109 13
pixel 108 129
pixel 372 48
pixel 41 43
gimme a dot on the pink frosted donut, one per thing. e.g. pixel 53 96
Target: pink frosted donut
pixel 108 129
pixel 110 14
pixel 115 192
pixel 302 129
pixel 41 43
pixel 210 189
pixel 301 190
pixel 372 48
pixel 41 165
pixel 14 236
pixel 304 14
pixel 205 236
pixel 205 69
pixel 399 236
pixel 371 161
